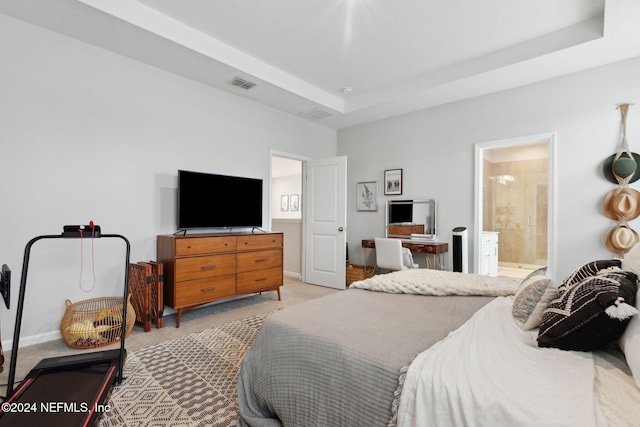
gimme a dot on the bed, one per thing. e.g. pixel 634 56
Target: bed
pixel 418 348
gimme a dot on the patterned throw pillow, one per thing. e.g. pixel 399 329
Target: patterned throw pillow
pixel 587 270
pixel 590 313
pixel 533 295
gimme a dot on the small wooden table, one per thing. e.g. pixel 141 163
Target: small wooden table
pixel 437 249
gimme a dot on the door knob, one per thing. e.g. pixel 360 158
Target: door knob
pixel 340 229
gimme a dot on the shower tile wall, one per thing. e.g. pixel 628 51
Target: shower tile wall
pixel 515 205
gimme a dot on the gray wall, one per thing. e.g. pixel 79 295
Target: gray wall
pixel 435 148
pixel 292 229
pixel 90 135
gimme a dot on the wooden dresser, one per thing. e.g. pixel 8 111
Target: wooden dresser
pixel 201 268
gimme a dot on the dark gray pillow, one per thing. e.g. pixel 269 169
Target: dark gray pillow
pixel 590 313
pixel 587 270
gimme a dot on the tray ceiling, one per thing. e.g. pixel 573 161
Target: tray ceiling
pixel 347 62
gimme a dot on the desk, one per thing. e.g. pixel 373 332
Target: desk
pixel 420 246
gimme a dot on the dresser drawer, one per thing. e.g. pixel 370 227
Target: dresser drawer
pixel 254 281
pixel 259 260
pixel 204 266
pixel 205 245
pixel 201 291
pixel 489 238
pixel 201 268
pixel 259 241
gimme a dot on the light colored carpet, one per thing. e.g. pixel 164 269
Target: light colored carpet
pixel 186 381
pixel 196 320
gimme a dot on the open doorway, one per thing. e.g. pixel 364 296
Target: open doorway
pixel 286 210
pixel 314 220
pixel 514 205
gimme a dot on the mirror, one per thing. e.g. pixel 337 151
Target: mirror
pixel 411 219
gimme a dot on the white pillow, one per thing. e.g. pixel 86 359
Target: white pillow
pixel 535 292
pixel 630 343
pixel 630 339
pixel 631 260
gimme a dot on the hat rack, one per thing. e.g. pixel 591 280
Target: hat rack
pixel 622 204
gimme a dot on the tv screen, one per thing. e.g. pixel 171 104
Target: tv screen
pixel 209 201
pixel 400 211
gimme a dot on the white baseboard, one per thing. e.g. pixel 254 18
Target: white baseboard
pixel 32 340
pixel 27 341
pixel 293 274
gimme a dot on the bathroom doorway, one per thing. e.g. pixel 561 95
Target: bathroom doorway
pixel 515 203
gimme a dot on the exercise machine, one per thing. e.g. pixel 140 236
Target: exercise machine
pixel 67 390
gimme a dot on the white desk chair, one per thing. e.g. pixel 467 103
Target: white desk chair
pixel 390 255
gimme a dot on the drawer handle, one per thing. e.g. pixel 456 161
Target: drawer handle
pixel 208 267
pixel 262 279
pixel 261 260
pixel 208 289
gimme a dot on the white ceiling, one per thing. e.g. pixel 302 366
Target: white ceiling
pixel 396 56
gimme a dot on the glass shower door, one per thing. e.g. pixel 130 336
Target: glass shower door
pixel 516 206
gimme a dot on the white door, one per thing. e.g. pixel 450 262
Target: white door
pixel 326 222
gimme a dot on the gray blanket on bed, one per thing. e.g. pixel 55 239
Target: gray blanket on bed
pixel 335 361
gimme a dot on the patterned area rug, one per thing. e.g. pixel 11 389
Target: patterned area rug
pixel 188 381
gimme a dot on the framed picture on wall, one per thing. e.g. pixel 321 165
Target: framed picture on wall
pixel 294 202
pixel 392 182
pixel 284 203
pixel 367 196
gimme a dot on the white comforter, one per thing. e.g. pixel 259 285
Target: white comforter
pixel 490 373
pixel 425 281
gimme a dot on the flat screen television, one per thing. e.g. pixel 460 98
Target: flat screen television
pixel 208 200
pixel 401 211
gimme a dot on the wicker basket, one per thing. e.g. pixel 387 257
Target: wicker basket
pixel 358 272
pixel 95 322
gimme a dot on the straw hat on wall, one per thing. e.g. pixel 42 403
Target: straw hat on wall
pixel 621 238
pixel 622 204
